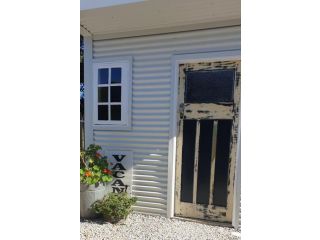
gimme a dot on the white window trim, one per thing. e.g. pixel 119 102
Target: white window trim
pixel 126 94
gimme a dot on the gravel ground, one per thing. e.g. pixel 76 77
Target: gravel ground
pixel 140 226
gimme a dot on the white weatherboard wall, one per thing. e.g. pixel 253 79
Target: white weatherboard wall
pixel 151 99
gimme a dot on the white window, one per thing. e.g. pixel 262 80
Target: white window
pixel 112 94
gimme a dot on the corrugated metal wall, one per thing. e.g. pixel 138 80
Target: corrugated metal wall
pixel 239 215
pixel 151 101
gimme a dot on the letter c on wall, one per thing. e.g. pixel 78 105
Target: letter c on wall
pixel 115 174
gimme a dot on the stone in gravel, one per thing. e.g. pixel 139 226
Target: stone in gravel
pixel 140 226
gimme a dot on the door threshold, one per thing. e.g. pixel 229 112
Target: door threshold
pixel 203 221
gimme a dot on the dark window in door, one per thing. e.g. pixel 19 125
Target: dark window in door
pixel 209 86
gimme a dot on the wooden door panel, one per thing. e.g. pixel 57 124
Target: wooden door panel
pixel 207 111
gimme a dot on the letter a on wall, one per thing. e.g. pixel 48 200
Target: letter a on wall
pixel 121 166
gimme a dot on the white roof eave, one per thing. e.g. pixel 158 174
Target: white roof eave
pixel 136 17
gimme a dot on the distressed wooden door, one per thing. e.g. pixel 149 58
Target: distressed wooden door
pixel 209 98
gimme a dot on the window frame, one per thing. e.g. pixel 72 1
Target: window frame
pixel 126 93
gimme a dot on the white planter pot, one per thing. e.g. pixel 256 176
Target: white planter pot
pixel 88 195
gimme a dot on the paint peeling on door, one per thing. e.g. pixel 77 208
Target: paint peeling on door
pixel 208 111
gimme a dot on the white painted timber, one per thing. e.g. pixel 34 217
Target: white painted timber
pixel 136 18
pixel 236 221
pixel 151 102
pixel 88 91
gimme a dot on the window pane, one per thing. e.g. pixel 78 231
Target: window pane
pixel 116 75
pixel 116 94
pixel 220 189
pixel 188 149
pixel 102 94
pixel 209 86
pixel 102 112
pixel 103 75
pixel 116 112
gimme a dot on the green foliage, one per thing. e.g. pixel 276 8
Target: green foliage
pixel 94 166
pixel 114 207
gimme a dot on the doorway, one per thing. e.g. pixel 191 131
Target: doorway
pixel 209 99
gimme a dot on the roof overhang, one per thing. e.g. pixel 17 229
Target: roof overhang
pixel 106 19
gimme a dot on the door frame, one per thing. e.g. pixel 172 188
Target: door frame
pixel 175 61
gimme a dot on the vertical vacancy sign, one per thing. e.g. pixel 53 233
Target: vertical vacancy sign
pixel 121 166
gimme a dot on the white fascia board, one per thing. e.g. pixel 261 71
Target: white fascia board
pixel 92 4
